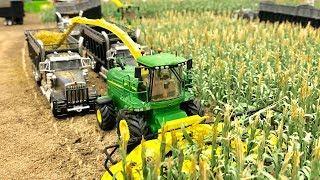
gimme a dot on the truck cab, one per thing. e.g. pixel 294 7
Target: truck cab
pixel 64 83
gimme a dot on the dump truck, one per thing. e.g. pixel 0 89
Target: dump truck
pixel 155 90
pixel 61 73
pixel 71 8
pixel 104 47
pixel 12 11
pixel 303 14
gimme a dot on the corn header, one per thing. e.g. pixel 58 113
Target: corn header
pixel 175 134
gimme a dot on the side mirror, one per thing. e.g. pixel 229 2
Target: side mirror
pixel 86 62
pixel 137 72
pixel 189 64
pixel 44 66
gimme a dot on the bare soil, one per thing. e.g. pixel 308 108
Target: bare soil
pixel 33 144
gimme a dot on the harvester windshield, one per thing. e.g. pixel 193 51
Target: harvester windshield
pixel 163 75
pixel 162 83
pixel 166 84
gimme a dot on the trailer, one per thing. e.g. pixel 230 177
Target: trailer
pixel 105 48
pixel 61 73
pixel 71 8
pixel 302 14
pixel 12 11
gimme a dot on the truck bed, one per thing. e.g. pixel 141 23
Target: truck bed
pixel 303 14
pixel 38 51
pixel 97 45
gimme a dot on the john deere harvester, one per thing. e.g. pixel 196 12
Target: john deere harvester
pixel 154 91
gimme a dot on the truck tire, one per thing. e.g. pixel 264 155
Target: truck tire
pixel 54 109
pixel 9 22
pixel 192 107
pixel 136 123
pixel 106 116
pixel 19 21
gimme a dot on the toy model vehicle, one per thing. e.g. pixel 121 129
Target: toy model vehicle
pixel 156 90
pixel 71 8
pixel 61 74
pixel 12 11
pixel 104 47
pixel 303 14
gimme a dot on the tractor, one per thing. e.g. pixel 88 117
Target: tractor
pixel 148 94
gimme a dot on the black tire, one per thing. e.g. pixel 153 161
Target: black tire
pixel 54 109
pixel 38 83
pixel 136 123
pixel 193 107
pixel 106 116
pixel 19 21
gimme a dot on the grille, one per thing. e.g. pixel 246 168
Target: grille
pixel 76 94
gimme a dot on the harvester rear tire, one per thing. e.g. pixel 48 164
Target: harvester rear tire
pixel 136 123
pixel 106 116
pixel 193 107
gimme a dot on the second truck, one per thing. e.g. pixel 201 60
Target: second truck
pixel 61 73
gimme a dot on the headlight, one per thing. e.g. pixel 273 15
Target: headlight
pixel 85 72
pixel 54 78
pixel 49 75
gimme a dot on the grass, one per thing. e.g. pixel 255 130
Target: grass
pixel 37 6
pixel 151 8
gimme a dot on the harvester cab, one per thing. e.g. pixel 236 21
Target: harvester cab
pixel 148 95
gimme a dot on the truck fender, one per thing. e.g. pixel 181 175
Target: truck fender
pixel 103 100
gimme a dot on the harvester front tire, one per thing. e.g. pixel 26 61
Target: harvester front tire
pixel 136 123
pixel 106 117
pixel 193 107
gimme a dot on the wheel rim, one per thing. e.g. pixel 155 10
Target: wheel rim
pixel 99 116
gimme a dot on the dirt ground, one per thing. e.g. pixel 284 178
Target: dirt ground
pixel 33 144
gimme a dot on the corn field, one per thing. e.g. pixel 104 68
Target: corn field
pixel 260 84
pixel 150 8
